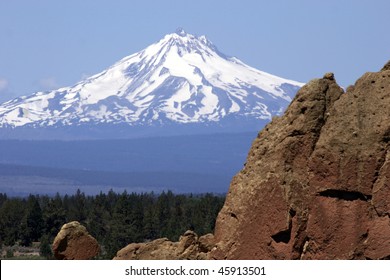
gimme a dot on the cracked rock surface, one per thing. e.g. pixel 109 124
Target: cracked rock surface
pixel 316 184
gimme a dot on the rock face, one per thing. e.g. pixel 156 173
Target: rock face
pixel 316 184
pixel 73 242
pixel 189 247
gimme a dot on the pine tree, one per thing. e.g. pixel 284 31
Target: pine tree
pixel 33 223
pixel 54 216
pixel 11 214
pixel 77 207
pixel 122 230
pixel 151 221
pixel 45 248
pixel 98 217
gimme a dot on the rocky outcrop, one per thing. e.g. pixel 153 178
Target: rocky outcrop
pixel 316 184
pixel 189 247
pixel 73 242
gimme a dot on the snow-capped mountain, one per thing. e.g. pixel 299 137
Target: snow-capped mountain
pixel 181 79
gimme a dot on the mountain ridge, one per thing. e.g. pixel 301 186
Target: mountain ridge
pixel 181 79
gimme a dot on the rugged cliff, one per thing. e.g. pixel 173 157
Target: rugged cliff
pixel 316 184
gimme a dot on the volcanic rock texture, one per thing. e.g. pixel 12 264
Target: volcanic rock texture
pixel 189 247
pixel 316 184
pixel 73 242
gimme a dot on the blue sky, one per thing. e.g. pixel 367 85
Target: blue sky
pixel 46 44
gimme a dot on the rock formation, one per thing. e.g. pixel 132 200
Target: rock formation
pixel 316 184
pixel 189 247
pixel 73 242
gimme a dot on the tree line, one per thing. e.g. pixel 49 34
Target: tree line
pixel 115 220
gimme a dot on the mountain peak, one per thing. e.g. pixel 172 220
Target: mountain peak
pixel 181 32
pixel 181 79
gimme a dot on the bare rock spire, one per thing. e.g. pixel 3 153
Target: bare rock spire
pixel 315 184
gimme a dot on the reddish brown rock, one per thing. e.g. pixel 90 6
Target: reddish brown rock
pixel 73 242
pixel 316 181
pixel 189 247
pixel 206 243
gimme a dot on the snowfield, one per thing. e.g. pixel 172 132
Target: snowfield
pixel 180 79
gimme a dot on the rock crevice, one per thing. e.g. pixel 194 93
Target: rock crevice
pixel 345 195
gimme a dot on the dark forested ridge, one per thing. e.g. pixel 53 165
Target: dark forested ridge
pixel 115 220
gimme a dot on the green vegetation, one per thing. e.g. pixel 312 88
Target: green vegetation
pixel 115 220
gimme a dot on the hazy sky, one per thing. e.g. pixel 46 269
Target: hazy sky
pixel 48 44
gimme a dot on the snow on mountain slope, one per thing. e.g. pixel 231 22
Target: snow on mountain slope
pixel 181 79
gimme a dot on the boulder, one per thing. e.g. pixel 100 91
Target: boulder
pixel 73 242
pixel 189 247
pixel 316 181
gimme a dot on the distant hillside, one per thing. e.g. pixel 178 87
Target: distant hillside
pixel 17 180
pixel 203 163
